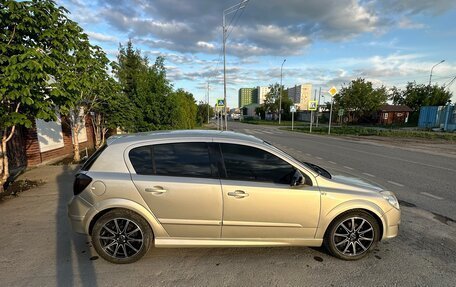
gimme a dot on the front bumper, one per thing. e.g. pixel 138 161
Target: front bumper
pixel 77 211
pixel 392 220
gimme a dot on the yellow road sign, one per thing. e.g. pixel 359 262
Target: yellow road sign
pixel 332 91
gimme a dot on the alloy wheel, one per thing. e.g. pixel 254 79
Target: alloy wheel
pixel 121 238
pixel 353 236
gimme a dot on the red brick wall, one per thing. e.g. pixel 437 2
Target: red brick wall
pixel 32 147
pixel 35 157
pixel 16 149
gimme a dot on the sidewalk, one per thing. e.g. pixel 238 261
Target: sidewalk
pixel 37 238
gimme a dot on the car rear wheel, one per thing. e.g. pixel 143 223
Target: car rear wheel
pixel 351 235
pixel 121 236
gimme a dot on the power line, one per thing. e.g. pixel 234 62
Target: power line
pixel 231 25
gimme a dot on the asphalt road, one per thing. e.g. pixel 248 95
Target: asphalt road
pixel 423 179
pixel 38 247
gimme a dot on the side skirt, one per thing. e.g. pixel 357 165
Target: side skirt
pixel 248 242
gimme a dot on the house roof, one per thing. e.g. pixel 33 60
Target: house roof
pixel 395 108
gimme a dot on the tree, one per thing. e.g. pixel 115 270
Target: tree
pixel 83 81
pixel 36 36
pixel 417 95
pixel 272 101
pixel 146 87
pixel 202 113
pixel 360 98
pixel 261 111
pixel 113 110
pixel 183 111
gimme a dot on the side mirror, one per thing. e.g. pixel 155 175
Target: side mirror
pixel 297 179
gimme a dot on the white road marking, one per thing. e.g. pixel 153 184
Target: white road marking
pixel 347 167
pixel 431 195
pixel 308 154
pixel 332 162
pixel 317 157
pixel 395 183
pixel 368 174
pixel 268 132
pixel 256 132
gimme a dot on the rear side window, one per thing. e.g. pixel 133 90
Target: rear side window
pixel 91 160
pixel 253 164
pixel 176 159
pixel 141 159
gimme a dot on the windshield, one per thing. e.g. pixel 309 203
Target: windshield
pixel 321 171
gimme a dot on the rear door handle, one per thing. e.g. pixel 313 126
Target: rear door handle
pixel 157 190
pixel 238 194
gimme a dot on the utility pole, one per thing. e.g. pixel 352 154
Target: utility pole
pixel 280 91
pixel 330 116
pixel 208 114
pixel 318 105
pixel 228 11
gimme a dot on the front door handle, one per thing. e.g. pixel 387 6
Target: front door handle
pixel 157 190
pixel 238 194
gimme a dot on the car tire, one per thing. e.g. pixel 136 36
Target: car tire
pixel 121 236
pixel 352 235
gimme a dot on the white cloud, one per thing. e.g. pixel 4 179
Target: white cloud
pixel 406 23
pixel 101 37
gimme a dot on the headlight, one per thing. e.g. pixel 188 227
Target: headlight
pixel 391 198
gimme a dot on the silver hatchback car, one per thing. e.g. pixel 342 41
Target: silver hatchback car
pixel 221 189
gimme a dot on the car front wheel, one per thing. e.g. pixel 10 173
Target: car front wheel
pixel 352 235
pixel 121 236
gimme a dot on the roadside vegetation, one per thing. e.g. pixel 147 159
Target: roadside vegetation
pixel 368 131
pixel 50 70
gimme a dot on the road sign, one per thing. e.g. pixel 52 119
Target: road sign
pixel 292 109
pixel 340 112
pixel 220 103
pixel 332 91
pixel 312 105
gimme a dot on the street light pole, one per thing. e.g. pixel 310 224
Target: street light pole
pixel 280 91
pixel 430 75
pixel 228 11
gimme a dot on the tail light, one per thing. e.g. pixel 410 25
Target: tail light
pixel 80 183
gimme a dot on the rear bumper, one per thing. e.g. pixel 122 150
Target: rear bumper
pixel 77 211
pixel 392 220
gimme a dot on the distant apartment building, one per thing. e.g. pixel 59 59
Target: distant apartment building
pixel 247 96
pixel 301 95
pixel 262 92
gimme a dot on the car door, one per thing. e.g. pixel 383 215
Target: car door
pixel 258 201
pixel 181 186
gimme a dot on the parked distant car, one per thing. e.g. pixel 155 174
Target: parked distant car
pixel 213 189
pixel 235 117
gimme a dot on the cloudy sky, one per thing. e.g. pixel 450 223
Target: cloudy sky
pixel 324 42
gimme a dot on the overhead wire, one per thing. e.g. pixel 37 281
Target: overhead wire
pixel 230 27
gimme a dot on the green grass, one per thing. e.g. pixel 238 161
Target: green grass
pixel 366 131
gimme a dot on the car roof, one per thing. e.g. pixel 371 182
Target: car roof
pixel 180 134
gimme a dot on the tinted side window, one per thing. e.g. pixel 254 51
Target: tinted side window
pixel 141 159
pixel 182 159
pixel 249 163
